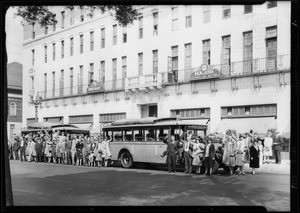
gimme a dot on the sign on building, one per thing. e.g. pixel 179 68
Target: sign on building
pixel 95 87
pixel 204 72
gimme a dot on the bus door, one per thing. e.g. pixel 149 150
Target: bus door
pixel 161 147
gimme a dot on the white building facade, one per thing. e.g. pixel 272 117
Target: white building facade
pixel 224 66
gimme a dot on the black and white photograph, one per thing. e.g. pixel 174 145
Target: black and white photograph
pixel 149 105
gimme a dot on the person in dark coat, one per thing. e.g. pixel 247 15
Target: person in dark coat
pixel 16 147
pixel 209 156
pixel 171 152
pixel 79 147
pixel 68 146
pixel 38 149
pixel 187 153
pixel 278 142
pixel 23 146
pixel 254 156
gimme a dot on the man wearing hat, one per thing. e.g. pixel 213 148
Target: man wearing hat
pixel 23 148
pixel 16 147
pixel 278 142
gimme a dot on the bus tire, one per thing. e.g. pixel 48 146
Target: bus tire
pixel 126 159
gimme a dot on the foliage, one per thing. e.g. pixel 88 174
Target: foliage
pixel 124 14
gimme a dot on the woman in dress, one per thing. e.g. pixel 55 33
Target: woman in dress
pixel 209 156
pixel 79 147
pixel 268 147
pixel 53 153
pixel 98 153
pixel 198 149
pixel 230 149
pixel 73 149
pixel 254 156
pixel 239 160
pixel 31 150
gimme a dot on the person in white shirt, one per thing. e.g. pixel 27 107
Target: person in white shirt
pixel 268 142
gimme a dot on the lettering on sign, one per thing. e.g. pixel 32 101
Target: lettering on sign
pixel 204 72
pixel 95 87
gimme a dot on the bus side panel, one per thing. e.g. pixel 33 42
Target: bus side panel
pixel 116 147
pixel 144 152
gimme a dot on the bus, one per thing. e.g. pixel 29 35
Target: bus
pixel 141 140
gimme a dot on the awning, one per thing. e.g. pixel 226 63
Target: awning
pixel 242 125
pixel 86 126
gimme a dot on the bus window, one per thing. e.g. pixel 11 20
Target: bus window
pixel 127 135
pixel 138 135
pixel 177 132
pixel 161 134
pixel 117 135
pixel 108 134
pixel 150 135
pixel 201 133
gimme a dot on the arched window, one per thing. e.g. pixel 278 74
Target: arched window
pixel 13 109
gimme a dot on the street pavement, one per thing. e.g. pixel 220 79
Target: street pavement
pixel 42 184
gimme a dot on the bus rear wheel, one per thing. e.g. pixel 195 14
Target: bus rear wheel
pixel 126 159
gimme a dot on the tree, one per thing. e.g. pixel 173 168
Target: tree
pixel 124 14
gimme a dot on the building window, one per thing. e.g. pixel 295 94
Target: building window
pixel 46 30
pixel 71 46
pixel 226 12
pixel 45 49
pixel 226 55
pixel 105 118
pixel 188 16
pixel 54 25
pixel 71 80
pixel 54 119
pixel 80 80
pixel 271 4
pixel 188 56
pixel 115 34
pixel 155 61
pixel 249 111
pixel 206 14
pixel 102 71
pixel 140 63
pixel 13 109
pixel 124 67
pixel 81 119
pixel 140 27
pixel 81 44
pixel 45 85
pixel 92 41
pixel 114 66
pixel 155 23
pixel 62 19
pixel 11 130
pixel 82 18
pixel 72 17
pixel 248 52
pixel 124 34
pixel 53 51
pixel 32 55
pixel 103 38
pixel 62 49
pixel 194 113
pixel 33 31
pixel 61 83
pixel 53 84
pixel 248 9
pixel 206 52
pixel 175 63
pixel 271 47
pixel 174 18
pixel 91 74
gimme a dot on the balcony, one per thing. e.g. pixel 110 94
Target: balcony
pixel 79 90
pixel 240 68
pixel 145 82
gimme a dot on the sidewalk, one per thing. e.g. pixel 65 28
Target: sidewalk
pixel 272 167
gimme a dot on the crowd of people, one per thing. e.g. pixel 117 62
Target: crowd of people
pixel 74 149
pixel 236 150
pixel 189 149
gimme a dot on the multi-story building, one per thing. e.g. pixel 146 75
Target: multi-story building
pixel 14 89
pixel 224 66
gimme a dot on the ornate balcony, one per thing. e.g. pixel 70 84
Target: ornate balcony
pixel 145 82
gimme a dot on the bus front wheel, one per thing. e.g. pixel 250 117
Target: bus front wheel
pixel 126 160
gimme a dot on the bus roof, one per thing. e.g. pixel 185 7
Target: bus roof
pixel 47 125
pixel 152 122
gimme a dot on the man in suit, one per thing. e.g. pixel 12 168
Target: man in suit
pixel 278 142
pixel 171 152
pixel 187 153
pixel 22 149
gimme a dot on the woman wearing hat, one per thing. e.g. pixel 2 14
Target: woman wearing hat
pixel 239 160
pixel 31 150
pixel 73 149
pixel 254 156
pixel 48 148
pixel 268 147
pixel 230 149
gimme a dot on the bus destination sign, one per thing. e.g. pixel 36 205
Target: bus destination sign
pixel 204 72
